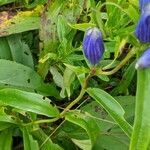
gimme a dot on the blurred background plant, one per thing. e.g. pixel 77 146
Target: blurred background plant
pixel 43 70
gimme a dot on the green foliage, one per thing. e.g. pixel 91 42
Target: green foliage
pixel 141 131
pixel 87 123
pixel 112 107
pixel 6 139
pixel 23 77
pixel 51 97
pixel 28 141
pixel 27 101
pixel 44 141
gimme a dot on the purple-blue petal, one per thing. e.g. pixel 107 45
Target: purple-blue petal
pixel 144 60
pixel 143 3
pixel 93 45
pixel 143 27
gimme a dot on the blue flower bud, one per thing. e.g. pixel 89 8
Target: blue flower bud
pixel 144 60
pixel 143 3
pixel 93 45
pixel 143 28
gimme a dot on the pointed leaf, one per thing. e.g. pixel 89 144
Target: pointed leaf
pixel 112 107
pixel 27 101
pixel 20 51
pixel 6 139
pixel 28 141
pixel 86 122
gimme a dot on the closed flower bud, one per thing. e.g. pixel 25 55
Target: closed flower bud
pixel 143 28
pixel 143 3
pixel 144 60
pixel 93 45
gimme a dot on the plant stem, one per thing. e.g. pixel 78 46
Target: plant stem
pixel 82 92
pixel 122 63
pixel 84 86
pixel 141 130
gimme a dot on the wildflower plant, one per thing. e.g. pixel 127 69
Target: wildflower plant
pixel 50 98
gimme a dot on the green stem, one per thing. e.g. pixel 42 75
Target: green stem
pixel 82 92
pixel 141 130
pixel 121 64
pixel 42 121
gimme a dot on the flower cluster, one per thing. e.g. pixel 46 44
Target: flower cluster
pixel 143 33
pixel 93 45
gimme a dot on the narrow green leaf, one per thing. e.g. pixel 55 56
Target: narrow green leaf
pixel 58 79
pixel 103 77
pixel 68 78
pixel 112 107
pixel 27 101
pixel 28 141
pixel 6 139
pixel 132 12
pixel 20 51
pixel 62 28
pixel 82 26
pixel 51 56
pixel 86 122
pixel 77 69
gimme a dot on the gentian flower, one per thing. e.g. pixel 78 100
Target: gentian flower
pixel 93 45
pixel 144 60
pixel 143 3
pixel 143 28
